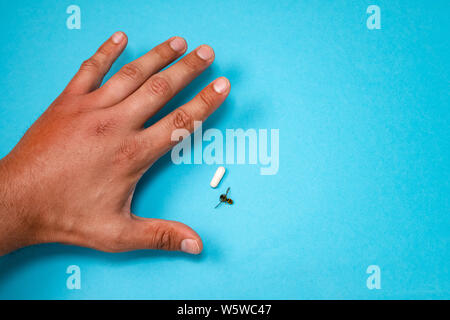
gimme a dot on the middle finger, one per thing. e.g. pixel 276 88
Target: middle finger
pixel 161 87
pixel 133 74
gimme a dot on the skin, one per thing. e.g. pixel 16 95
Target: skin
pixel 71 178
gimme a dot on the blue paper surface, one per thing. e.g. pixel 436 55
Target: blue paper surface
pixel 363 179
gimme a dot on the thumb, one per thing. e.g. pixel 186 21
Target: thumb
pixel 161 234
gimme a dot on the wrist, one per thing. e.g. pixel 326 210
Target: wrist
pixel 19 227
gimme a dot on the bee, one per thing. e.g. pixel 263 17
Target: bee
pixel 224 198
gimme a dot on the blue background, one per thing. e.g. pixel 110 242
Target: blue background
pixel 364 148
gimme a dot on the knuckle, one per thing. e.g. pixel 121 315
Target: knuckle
pixel 113 240
pixel 181 119
pixel 132 72
pixel 102 127
pixel 104 50
pixel 164 239
pixel 128 150
pixel 158 86
pixel 163 52
pixel 207 99
pixel 91 64
pixel 191 63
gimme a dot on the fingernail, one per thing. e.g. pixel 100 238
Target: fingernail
pixel 190 246
pixel 205 52
pixel 177 44
pixel 221 85
pixel 117 37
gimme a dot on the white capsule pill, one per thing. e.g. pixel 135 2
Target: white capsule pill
pixel 217 177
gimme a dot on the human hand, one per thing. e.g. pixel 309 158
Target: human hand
pixel 71 178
